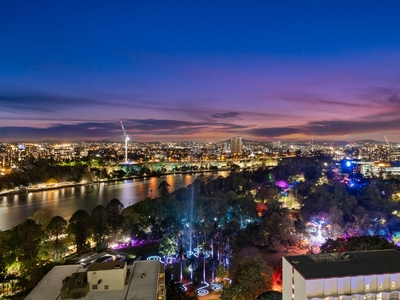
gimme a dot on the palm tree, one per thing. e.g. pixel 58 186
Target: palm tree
pixel 192 265
pixel 213 265
pixel 181 257
pixel 168 246
pixel 206 248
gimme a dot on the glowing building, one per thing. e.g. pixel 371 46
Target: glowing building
pixel 359 275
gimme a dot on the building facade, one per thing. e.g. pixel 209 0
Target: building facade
pixel 108 276
pixel 236 145
pixel 360 275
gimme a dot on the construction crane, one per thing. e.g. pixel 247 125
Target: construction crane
pixel 389 152
pixel 387 142
pixel 126 142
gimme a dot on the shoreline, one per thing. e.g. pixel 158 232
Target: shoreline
pixel 76 184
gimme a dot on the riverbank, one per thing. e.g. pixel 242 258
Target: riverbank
pixel 60 185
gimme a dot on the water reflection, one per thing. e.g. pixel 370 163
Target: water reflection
pixel 16 208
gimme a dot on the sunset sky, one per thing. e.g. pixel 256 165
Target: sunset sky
pixel 199 70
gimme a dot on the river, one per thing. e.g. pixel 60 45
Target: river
pixel 16 208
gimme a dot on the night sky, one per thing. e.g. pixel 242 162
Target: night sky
pixel 199 70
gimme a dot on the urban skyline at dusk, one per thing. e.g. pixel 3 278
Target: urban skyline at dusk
pixel 179 70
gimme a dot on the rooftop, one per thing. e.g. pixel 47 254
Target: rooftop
pixel 345 264
pixel 110 265
pixel 142 282
pixel 49 287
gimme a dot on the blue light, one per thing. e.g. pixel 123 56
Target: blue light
pixel 348 163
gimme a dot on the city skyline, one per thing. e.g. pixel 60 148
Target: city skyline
pixel 186 71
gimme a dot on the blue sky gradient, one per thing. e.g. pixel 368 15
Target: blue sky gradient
pixel 199 70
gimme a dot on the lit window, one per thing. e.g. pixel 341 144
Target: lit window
pixel 367 286
pixel 380 285
pixel 393 284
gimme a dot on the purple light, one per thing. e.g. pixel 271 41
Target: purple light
pixel 282 184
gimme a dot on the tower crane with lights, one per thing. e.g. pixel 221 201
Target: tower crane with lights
pixel 388 145
pixel 126 142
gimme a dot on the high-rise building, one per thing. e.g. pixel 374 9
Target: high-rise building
pixel 236 145
pixel 359 275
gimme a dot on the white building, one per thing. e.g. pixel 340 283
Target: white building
pixel 144 280
pixel 360 275
pixel 107 276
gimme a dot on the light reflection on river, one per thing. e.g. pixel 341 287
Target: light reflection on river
pixel 16 208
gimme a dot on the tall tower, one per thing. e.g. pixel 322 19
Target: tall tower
pixel 236 145
pixel 312 144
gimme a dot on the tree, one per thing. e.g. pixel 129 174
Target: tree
pixel 192 264
pixel 181 257
pixel 30 236
pixel 252 277
pixel 167 247
pixel 356 243
pixel 79 228
pixel 42 217
pixel 371 198
pixel 56 228
pixel 270 295
pixel 163 189
pixel 114 217
pixel 175 291
pixel 268 193
pixel 275 231
pixel 99 224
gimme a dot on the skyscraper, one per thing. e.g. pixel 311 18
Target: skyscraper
pixel 236 145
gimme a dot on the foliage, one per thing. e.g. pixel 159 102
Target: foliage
pixel 252 277
pixel 358 243
pixel 56 227
pixel 99 224
pixel 221 272
pixel 30 236
pixel 224 208
pixel 42 217
pixel 79 228
pixel 168 246
pixel 114 218
pixel 270 295
pixel 163 189
pixel 276 231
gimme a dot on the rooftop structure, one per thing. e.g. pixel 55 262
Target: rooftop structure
pixel 107 276
pixel 144 280
pixel 147 281
pixel 356 275
pixel 49 287
pixel 75 286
